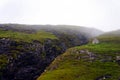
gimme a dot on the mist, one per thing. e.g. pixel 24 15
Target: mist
pixel 100 14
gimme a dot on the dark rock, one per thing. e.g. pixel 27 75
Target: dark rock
pixel 28 60
pixel 107 76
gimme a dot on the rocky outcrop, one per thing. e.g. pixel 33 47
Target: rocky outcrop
pixel 26 61
pixel 104 77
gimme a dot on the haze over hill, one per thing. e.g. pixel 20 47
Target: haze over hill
pixel 68 29
pixel 100 14
pixel 112 33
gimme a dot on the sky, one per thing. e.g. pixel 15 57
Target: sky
pixel 100 14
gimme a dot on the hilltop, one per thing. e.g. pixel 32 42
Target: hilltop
pixel 89 32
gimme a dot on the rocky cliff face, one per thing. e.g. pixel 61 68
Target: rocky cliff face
pixel 25 61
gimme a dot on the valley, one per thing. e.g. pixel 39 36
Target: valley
pixel 58 52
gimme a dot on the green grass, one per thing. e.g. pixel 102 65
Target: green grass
pixel 3 61
pixel 72 69
pixel 25 37
pixel 101 48
pixel 68 67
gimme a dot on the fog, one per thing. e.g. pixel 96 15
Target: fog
pixel 100 14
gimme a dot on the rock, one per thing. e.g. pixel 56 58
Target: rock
pixel 117 58
pixel 82 51
pixel 107 76
pixel 95 41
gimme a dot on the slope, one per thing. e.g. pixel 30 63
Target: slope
pixel 26 50
pixel 88 62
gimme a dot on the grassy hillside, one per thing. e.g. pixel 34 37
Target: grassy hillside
pixel 26 37
pixel 69 35
pixel 67 29
pixel 113 36
pixel 89 62
pixel 112 33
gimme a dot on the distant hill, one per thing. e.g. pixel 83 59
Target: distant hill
pixel 112 33
pixel 69 29
pixel 69 35
pixel 112 36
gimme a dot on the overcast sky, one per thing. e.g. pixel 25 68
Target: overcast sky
pixel 101 14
